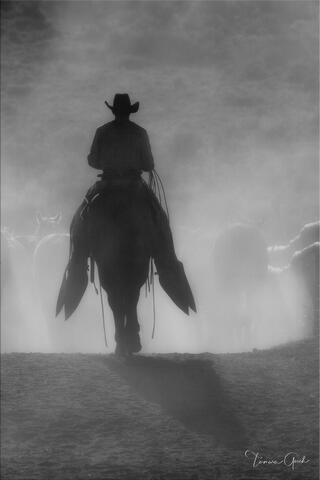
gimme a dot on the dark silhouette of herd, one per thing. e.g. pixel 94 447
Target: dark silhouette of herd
pixel 250 278
pixel 300 257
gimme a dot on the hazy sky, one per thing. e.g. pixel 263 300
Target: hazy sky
pixel 228 93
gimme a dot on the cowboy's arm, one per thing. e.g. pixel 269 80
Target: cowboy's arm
pixel 93 157
pixel 147 157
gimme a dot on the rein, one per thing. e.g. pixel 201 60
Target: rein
pixel 103 317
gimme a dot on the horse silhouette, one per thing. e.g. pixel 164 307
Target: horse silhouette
pixel 119 233
pixel 120 241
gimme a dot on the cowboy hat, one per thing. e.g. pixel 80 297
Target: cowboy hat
pixel 122 104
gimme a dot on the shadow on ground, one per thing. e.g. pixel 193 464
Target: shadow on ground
pixel 188 390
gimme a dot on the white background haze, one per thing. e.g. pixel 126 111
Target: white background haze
pixel 228 93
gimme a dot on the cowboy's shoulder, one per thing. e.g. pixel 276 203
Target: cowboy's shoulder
pixel 129 128
pixel 137 128
pixel 105 127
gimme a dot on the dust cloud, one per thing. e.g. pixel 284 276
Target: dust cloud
pixel 228 94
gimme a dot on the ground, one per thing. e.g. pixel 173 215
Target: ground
pixel 177 416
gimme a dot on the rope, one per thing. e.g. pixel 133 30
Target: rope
pixel 92 274
pixel 101 299
pixel 153 303
pixel 156 186
pixel 158 191
pixel 163 192
pixel 103 317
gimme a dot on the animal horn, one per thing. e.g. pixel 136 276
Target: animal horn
pixel 57 217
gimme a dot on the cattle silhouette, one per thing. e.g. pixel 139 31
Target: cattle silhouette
pixel 240 268
pixel 45 225
pixel 305 265
pixel 18 299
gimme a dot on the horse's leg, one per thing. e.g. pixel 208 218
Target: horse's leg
pixel 132 326
pixel 120 335
pixel 118 311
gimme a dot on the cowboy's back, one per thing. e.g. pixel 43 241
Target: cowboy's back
pixel 121 146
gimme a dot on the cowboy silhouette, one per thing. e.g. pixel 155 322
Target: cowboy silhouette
pixel 121 147
pixel 121 150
